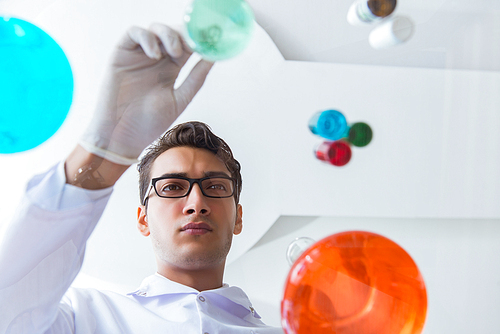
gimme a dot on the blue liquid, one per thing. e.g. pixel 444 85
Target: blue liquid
pixel 329 124
pixel 36 86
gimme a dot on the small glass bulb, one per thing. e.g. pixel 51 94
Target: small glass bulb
pixel 338 153
pixel 360 134
pixel 297 247
pixel 329 124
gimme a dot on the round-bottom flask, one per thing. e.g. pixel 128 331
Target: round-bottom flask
pixel 338 153
pixel 360 134
pixel 329 124
pixel 36 86
pixel 354 282
pixel 219 29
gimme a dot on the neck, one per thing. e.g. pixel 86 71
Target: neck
pixel 200 279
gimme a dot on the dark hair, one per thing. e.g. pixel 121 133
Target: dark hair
pixel 190 134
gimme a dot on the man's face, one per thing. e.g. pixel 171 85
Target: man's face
pixel 166 219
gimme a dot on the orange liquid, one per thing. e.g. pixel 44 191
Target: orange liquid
pixel 354 282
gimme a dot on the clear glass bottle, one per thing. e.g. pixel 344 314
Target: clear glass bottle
pixel 391 32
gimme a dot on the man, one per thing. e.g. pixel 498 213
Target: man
pixel 190 185
pixel 190 177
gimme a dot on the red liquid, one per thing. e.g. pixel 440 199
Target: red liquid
pixel 338 153
pixel 354 282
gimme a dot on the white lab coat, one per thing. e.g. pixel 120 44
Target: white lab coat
pixel 42 252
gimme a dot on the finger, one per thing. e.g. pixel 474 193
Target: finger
pixel 186 92
pixel 185 45
pixel 182 31
pixel 170 38
pixel 138 37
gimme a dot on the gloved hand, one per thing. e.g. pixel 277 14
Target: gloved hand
pixel 138 101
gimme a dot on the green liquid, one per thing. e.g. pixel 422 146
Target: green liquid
pixel 360 134
pixel 219 29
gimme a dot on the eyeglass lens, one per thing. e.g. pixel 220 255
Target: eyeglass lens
pixel 211 187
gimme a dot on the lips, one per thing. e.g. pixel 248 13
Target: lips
pixel 196 228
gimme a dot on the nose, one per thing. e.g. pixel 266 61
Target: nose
pixel 196 202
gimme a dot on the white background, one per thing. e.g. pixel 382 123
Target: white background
pixel 429 180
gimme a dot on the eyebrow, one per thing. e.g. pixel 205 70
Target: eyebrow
pixel 206 174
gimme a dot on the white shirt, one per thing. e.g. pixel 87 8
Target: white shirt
pixel 42 252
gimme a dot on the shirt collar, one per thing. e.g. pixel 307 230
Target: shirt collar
pixel 157 285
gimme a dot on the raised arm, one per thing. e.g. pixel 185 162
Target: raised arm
pixel 137 104
pixel 43 247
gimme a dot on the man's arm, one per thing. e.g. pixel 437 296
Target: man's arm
pixel 89 171
pixel 138 103
pixel 42 250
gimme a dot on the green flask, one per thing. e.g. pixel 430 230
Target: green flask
pixel 218 29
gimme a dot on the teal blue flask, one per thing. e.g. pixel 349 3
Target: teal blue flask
pixel 36 86
pixel 329 124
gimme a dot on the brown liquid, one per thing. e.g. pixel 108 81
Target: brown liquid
pixel 382 8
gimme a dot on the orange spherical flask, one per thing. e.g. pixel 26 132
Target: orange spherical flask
pixel 354 282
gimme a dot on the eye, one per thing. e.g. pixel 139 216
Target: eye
pixel 217 186
pixel 170 187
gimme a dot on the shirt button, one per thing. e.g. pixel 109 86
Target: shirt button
pixel 202 299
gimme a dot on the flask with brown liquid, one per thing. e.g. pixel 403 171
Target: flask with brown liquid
pixel 368 11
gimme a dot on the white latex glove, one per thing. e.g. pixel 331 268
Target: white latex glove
pixel 138 101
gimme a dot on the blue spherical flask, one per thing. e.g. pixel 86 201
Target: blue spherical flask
pixel 36 86
pixel 329 124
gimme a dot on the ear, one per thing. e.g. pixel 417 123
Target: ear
pixel 238 226
pixel 142 221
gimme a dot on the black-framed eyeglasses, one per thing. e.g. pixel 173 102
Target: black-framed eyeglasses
pixel 178 186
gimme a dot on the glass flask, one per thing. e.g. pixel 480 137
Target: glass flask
pixel 36 86
pixel 354 282
pixel 360 134
pixel 368 11
pixel 337 153
pixel 218 29
pixel 329 124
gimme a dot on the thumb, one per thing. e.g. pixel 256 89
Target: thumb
pixel 186 92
